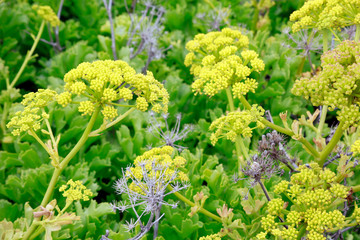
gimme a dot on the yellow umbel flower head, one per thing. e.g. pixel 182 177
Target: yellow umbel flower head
pixel 47 14
pixel 313 192
pixel 105 83
pixel 74 191
pixel 337 84
pixel 355 148
pixel 34 111
pixel 236 123
pixel 324 14
pixel 219 60
pixel 157 163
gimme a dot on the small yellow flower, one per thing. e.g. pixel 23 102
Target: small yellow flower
pixel 47 14
pixel 74 191
pixel 109 112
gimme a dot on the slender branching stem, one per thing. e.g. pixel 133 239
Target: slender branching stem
pixel 61 167
pixel 34 135
pixel 117 120
pixel 288 132
pixel 325 40
pixel 28 55
pixel 238 140
pixel 190 203
pixel 330 147
pixel 357 33
pixel 322 121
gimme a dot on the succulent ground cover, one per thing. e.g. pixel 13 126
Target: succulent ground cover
pixel 180 119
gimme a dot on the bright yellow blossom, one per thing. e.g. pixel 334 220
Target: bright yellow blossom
pixel 74 191
pixel 219 60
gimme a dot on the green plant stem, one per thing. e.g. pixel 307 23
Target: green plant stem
pixel 3 117
pixel 301 66
pixel 190 203
pixel 282 130
pixel 62 166
pixel 31 229
pixel 325 40
pixel 322 121
pixel 28 55
pixel 334 140
pixel 238 141
pixel 117 120
pixel 34 135
pixel 356 188
pixel 256 15
pixel 301 232
pixel 243 148
pixel 37 232
pixel 357 33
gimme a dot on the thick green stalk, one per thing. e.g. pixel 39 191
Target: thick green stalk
pixel 322 121
pixel 3 117
pixel 325 40
pixel 282 130
pixel 256 15
pixel 334 140
pixel 61 167
pixel 28 55
pixel 356 188
pixel 34 135
pixel 67 159
pixel 301 66
pixel 357 33
pixel 239 153
pixel 190 203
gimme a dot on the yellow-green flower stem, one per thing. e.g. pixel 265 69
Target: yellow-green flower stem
pixel 334 140
pixel 256 15
pixel 356 188
pixel 322 121
pixel 62 165
pixel 28 55
pixel 238 140
pixel 51 133
pixel 357 33
pixel 325 40
pixel 324 108
pixel 117 120
pixel 243 148
pixel 34 135
pixel 301 65
pixel 38 231
pixel 18 74
pixel 283 130
pixel 3 117
pixel 190 203
pixel 301 232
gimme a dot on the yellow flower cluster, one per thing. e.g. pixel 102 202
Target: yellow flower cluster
pixel 337 84
pixel 355 148
pixel 74 191
pixel 157 158
pixel 47 14
pixel 216 64
pixel 236 123
pixel 211 237
pixel 324 14
pixel 104 83
pixel 313 191
pixel 32 115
